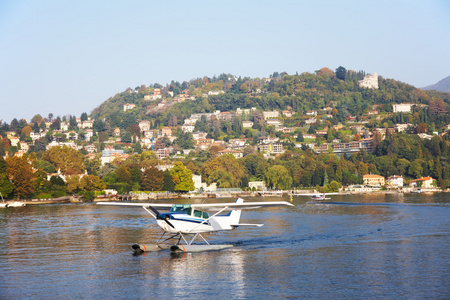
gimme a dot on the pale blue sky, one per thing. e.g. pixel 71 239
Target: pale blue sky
pixel 67 57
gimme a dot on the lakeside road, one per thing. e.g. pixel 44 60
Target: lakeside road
pixel 243 194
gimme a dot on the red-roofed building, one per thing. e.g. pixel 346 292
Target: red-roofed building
pixel 425 182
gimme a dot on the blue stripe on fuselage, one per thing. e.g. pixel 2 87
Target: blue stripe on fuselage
pixel 188 218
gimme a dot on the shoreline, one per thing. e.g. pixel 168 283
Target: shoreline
pixel 218 195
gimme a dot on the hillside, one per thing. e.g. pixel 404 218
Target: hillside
pixel 176 101
pixel 441 86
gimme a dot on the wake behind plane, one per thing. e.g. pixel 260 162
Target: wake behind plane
pixel 318 196
pixel 184 220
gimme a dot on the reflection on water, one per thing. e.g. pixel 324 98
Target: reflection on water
pixel 376 246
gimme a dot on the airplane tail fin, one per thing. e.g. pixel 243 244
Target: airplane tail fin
pixel 229 221
pixel 235 215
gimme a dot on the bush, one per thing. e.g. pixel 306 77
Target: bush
pixel 57 194
pixel 43 196
pixel 120 187
pixel 88 196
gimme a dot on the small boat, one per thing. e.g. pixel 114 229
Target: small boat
pixel 16 204
pixel 416 191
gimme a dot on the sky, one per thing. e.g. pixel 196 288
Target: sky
pixel 67 57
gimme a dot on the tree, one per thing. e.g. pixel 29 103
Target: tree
pixel 341 73
pixel 93 165
pixel 422 128
pixel 229 164
pixel 6 186
pixel 123 174
pixel 168 182
pixel 300 137
pixel 278 177
pixel 73 184
pixel 223 178
pixel 185 140
pixel 137 148
pixel 334 186
pixel 182 177
pixel 152 180
pixel 98 125
pixel 66 159
pixel 415 169
pixel 21 175
pixel 325 179
pixel 37 119
pixel 326 71
pixel 437 108
pixel 83 117
pixel 27 130
pixel 91 183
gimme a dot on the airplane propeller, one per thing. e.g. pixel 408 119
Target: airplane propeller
pixel 158 216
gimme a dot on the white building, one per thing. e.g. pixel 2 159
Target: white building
pixel 87 124
pixel 274 122
pixel 236 154
pixel 258 185
pixel 128 106
pixel 311 113
pixel 403 107
pixel 247 124
pixel 245 111
pixel 395 180
pixel 271 114
pixel 369 81
pixel 424 182
pixel 144 125
pixel 88 134
pixel 215 93
pixel 188 128
pixel 401 127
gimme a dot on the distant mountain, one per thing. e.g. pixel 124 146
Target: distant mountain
pixel 441 86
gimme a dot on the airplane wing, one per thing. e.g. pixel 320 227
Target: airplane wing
pixel 162 206
pixel 245 205
pixel 204 206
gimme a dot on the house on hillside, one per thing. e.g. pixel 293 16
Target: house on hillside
pixel 287 113
pixel 370 179
pixel 128 106
pixel 187 128
pixel 424 182
pixel 395 180
pixel 271 114
pixel 402 108
pixel 369 81
pixel 235 153
pixel 247 124
pixel 144 125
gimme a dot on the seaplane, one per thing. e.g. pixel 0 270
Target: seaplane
pixel 184 223
pixel 318 196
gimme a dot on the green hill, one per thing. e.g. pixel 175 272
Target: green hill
pixel 299 93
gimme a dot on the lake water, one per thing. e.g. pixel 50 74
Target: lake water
pixel 358 246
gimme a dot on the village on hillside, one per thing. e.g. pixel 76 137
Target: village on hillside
pixel 271 133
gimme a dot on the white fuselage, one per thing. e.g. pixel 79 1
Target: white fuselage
pixel 189 224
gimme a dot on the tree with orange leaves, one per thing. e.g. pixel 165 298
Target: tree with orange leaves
pixel 422 128
pixel 21 175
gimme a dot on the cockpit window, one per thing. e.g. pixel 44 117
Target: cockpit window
pixel 181 208
pixel 187 209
